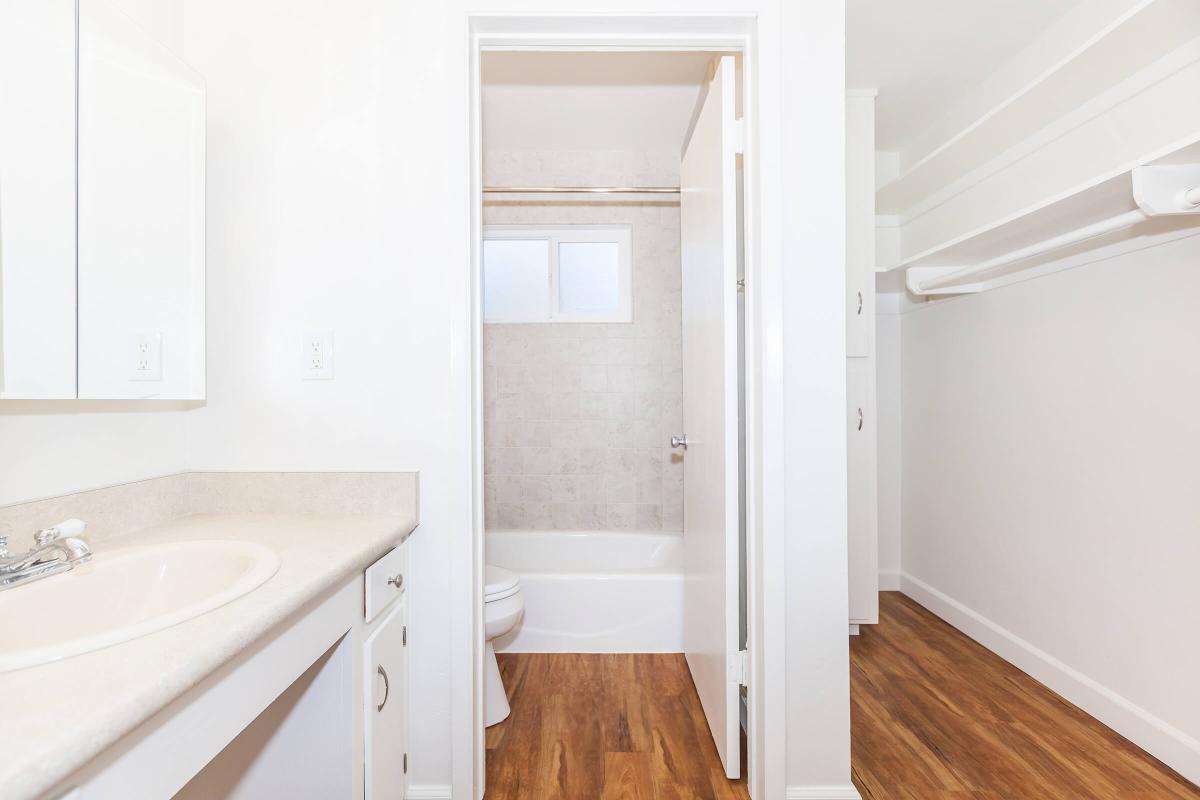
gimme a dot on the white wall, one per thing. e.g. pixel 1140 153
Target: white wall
pixel 887 412
pixel 814 372
pixel 53 448
pixel 315 198
pixel 1050 495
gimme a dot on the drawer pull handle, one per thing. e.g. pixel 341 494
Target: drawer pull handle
pixel 396 580
pixel 860 419
pixel 860 304
pixel 387 687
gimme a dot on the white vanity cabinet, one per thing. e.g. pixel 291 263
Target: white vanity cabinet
pixel 385 679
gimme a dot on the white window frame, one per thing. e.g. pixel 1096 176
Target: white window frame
pixel 554 235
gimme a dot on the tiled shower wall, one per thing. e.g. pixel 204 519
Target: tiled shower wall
pixel 578 417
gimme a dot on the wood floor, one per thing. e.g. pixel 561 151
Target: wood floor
pixel 603 727
pixel 935 716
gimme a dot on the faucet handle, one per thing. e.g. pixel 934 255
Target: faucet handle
pixel 3 546
pixel 66 528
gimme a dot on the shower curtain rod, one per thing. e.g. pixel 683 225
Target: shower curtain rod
pixel 581 190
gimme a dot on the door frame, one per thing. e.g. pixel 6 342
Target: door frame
pixel 762 213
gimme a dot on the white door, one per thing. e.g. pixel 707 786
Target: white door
pixel 386 661
pixel 710 502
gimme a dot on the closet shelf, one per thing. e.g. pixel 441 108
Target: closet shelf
pixel 1159 198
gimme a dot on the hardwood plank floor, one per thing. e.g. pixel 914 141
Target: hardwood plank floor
pixel 614 727
pixel 935 716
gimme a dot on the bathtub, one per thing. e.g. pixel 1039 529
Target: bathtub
pixel 594 592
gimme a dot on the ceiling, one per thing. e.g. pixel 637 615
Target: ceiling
pixel 590 101
pixel 924 55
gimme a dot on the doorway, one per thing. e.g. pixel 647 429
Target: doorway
pixel 608 312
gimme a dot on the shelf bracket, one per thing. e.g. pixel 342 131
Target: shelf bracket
pixel 1167 189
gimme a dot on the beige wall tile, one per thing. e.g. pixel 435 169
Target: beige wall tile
pixel 582 413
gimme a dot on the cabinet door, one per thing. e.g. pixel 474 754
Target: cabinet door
pixel 862 490
pixel 385 658
pixel 37 199
pixel 860 225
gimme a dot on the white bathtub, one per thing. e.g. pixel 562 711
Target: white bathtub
pixel 594 592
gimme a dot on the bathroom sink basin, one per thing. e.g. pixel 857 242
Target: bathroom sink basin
pixel 124 594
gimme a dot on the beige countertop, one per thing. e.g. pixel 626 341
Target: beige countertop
pixel 56 718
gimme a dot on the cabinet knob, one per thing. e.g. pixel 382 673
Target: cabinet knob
pixel 387 687
pixel 396 580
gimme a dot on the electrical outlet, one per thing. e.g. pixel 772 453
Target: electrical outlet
pixel 145 357
pixel 316 356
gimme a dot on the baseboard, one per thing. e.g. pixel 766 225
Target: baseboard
pixel 889 581
pixel 847 792
pixel 1163 741
pixel 428 792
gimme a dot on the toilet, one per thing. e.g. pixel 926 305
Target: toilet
pixel 502 609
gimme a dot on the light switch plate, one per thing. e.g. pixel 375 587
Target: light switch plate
pixel 145 356
pixel 316 355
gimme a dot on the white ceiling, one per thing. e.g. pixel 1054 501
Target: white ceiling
pixel 924 55
pixel 590 101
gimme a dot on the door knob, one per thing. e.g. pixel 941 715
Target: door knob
pixel 680 441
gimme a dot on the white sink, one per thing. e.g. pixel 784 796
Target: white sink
pixel 123 594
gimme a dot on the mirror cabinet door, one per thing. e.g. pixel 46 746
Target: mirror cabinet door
pixel 101 207
pixel 141 213
pixel 37 199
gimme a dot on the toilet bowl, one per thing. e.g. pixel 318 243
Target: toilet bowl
pixel 502 609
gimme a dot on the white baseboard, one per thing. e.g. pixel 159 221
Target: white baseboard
pixel 847 792
pixel 1157 737
pixel 889 581
pixel 428 792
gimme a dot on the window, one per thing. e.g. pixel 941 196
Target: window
pixel 557 274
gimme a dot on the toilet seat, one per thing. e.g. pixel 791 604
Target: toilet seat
pixel 499 583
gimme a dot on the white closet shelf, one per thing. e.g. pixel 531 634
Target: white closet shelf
pixel 1156 199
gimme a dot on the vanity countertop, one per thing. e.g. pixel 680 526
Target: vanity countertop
pixel 57 717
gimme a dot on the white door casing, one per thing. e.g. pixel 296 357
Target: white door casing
pixel 710 408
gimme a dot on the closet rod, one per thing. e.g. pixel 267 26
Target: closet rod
pixel 1110 225
pixel 581 190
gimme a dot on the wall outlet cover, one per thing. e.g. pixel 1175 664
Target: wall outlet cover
pixel 145 354
pixel 316 355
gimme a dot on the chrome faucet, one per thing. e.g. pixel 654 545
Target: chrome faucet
pixel 55 550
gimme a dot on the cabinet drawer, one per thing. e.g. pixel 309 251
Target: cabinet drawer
pixel 384 581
